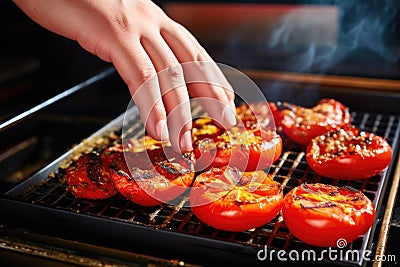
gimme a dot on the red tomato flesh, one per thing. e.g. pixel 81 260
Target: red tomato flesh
pixel 320 214
pixel 238 147
pixel 89 178
pixel 148 177
pixel 302 124
pixel 348 154
pixel 230 200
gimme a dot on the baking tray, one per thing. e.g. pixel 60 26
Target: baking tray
pixel 42 203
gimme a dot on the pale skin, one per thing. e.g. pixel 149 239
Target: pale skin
pixel 140 40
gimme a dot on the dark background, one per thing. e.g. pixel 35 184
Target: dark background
pixel 368 45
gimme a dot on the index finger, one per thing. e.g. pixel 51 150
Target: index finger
pixel 138 72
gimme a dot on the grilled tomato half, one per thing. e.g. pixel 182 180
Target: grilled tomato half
pixel 323 215
pixel 230 200
pixel 149 177
pixel 348 153
pixel 257 115
pixel 238 147
pixel 302 124
pixel 89 178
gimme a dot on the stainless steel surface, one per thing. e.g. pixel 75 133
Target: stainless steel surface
pixel 24 115
pixel 63 252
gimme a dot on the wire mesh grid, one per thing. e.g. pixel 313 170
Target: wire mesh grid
pixel 290 170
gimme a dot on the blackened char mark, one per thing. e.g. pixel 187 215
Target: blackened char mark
pixel 94 168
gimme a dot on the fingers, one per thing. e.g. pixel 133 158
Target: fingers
pixel 204 83
pixel 160 68
pixel 188 49
pixel 162 98
pixel 154 55
pixel 204 78
pixel 138 72
pixel 173 90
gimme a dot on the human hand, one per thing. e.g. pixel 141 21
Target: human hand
pixel 152 53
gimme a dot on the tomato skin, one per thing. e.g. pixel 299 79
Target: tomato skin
pixel 132 190
pixel 88 178
pixel 259 155
pixel 147 178
pixel 235 207
pixel 152 191
pixel 314 216
pixel 242 148
pixel 302 124
pixel 348 154
pixel 258 115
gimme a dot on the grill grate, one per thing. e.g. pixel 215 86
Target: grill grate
pixel 290 170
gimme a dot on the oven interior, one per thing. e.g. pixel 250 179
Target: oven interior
pixel 41 203
pixel 37 213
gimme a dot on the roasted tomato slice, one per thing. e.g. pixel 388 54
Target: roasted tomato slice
pixel 234 201
pixel 320 214
pixel 245 149
pixel 257 115
pixel 348 154
pixel 150 177
pixel 302 124
pixel 89 178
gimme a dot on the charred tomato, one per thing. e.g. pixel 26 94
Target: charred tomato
pixel 348 153
pixel 257 115
pixel 88 178
pixel 302 124
pixel 238 147
pixel 150 177
pixel 230 200
pixel 320 214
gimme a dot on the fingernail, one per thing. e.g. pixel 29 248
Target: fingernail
pixel 229 116
pixel 162 130
pixel 186 142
